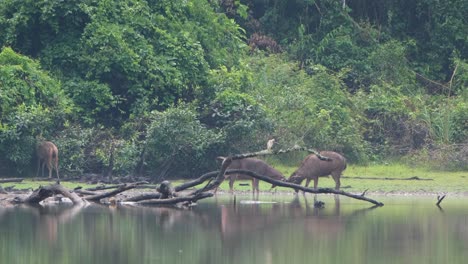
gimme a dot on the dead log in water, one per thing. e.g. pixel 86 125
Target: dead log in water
pixel 122 188
pixel 306 189
pixel 45 192
pixel 167 195
pixel 177 200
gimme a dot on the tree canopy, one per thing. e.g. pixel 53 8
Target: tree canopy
pixel 135 86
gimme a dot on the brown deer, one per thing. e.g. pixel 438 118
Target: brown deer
pixel 256 165
pixel 312 168
pixel 47 154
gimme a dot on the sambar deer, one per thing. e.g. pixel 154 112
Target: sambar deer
pixel 255 165
pixel 47 155
pixel 312 168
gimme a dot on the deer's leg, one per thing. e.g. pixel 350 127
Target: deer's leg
pixel 231 183
pixel 336 177
pixel 38 166
pixel 315 182
pixel 42 168
pixel 56 168
pixel 307 182
pixel 299 182
pixel 50 167
pixel 255 185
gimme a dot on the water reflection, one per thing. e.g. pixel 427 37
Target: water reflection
pixel 228 230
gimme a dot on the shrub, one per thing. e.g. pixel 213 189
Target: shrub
pixel 178 145
pixel 32 104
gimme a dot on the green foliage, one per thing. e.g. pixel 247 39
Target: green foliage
pixel 93 100
pixel 76 145
pixel 447 119
pixel 241 119
pixel 388 64
pixel 31 104
pixel 312 110
pixel 178 145
pixel 369 79
pixel 143 55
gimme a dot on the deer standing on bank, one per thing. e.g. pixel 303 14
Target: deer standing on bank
pixel 47 155
pixel 312 168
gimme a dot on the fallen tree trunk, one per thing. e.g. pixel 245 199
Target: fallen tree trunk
pixel 176 200
pixel 123 188
pixel 276 152
pixel 45 192
pixel 305 189
pixel 147 196
pixel 11 180
pixel 415 178
pixel 104 187
pixel 219 178
pixel 168 195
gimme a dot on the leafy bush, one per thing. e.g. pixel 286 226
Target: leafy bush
pixel 178 145
pixel 32 104
pixel 440 157
pixel 308 109
pixel 75 145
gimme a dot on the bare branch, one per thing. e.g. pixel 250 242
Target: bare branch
pixel 122 188
pixel 45 192
pixel 306 189
pixel 439 199
pixel 176 200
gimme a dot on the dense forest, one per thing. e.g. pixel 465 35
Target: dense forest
pixel 160 88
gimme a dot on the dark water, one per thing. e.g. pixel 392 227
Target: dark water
pixel 405 230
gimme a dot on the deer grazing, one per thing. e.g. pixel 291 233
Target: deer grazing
pixel 312 168
pixel 47 155
pixel 255 165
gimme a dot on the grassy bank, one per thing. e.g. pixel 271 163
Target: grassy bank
pixel 386 179
pixel 376 178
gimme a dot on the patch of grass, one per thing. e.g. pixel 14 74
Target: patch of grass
pixel 30 184
pixel 440 181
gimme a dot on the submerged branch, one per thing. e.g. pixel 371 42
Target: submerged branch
pixel 176 200
pixel 439 199
pixel 306 189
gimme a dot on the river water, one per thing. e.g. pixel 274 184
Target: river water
pixel 224 229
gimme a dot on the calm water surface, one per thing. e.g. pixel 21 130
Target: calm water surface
pixel 282 230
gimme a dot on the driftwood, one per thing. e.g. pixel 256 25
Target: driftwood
pixel 168 195
pixel 120 189
pixel 415 178
pixel 11 180
pixel 45 192
pixel 306 189
pixel 104 187
pixel 275 152
pixel 166 190
pixel 179 188
pixel 176 200
pixel 439 199
pixel 85 192
pixel 146 196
